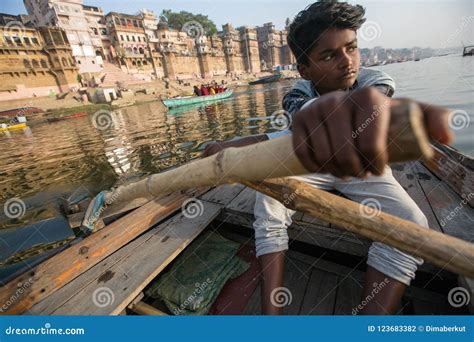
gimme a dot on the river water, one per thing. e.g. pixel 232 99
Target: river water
pixel 52 160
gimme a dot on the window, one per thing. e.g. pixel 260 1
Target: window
pixel 17 41
pixel 123 22
pixel 34 40
pixel 139 39
pixel 96 32
pixel 27 41
pixel 128 38
pixel 8 40
pixel 35 63
pixel 135 23
pixel 117 20
pixel 103 31
pixel 44 64
pixel 133 38
pixel 121 37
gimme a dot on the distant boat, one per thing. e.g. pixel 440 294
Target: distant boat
pixel 21 111
pixel 468 51
pixel 66 117
pixel 6 127
pixel 189 100
pixel 267 79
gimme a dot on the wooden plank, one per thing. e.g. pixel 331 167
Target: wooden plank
pixel 99 271
pixel 349 294
pixel 295 278
pixel 320 295
pixel 309 219
pixel 243 203
pixel 57 271
pixel 456 217
pixel 126 280
pixel 223 194
pixel 403 173
pixel 455 169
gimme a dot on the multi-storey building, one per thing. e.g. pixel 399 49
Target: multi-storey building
pixel 68 15
pixel 34 62
pixel 131 46
pixel 98 31
pixel 273 47
pixel 249 48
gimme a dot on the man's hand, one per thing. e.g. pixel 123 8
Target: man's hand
pixel 345 134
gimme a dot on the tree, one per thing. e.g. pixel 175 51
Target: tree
pixel 177 20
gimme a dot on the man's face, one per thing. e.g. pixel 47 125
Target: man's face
pixel 333 62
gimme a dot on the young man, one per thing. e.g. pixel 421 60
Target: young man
pixel 331 103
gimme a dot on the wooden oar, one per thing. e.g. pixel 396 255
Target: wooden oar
pixel 407 140
pixel 442 250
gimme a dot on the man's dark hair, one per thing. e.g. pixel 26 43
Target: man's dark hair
pixel 314 20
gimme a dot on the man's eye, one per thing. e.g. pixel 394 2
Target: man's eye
pixel 352 48
pixel 327 58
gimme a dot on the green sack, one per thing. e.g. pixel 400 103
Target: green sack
pixel 198 275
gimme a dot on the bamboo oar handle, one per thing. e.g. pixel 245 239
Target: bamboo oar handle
pixel 407 140
pixel 442 250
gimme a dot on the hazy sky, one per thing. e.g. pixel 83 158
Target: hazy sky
pixel 391 23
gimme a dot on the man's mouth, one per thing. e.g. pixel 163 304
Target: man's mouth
pixel 348 74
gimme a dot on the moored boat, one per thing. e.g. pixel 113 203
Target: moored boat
pixel 20 111
pixel 66 117
pixel 189 100
pixel 13 127
pixel 267 79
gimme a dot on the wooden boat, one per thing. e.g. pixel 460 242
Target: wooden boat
pixel 468 51
pixel 267 79
pixel 22 111
pixel 66 117
pixel 190 100
pixel 324 266
pixel 13 127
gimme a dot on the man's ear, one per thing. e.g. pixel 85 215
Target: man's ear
pixel 303 70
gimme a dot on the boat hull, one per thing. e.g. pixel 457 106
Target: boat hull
pixel 268 79
pixel 185 101
pixel 13 127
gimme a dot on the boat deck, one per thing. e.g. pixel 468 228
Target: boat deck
pixel 324 267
